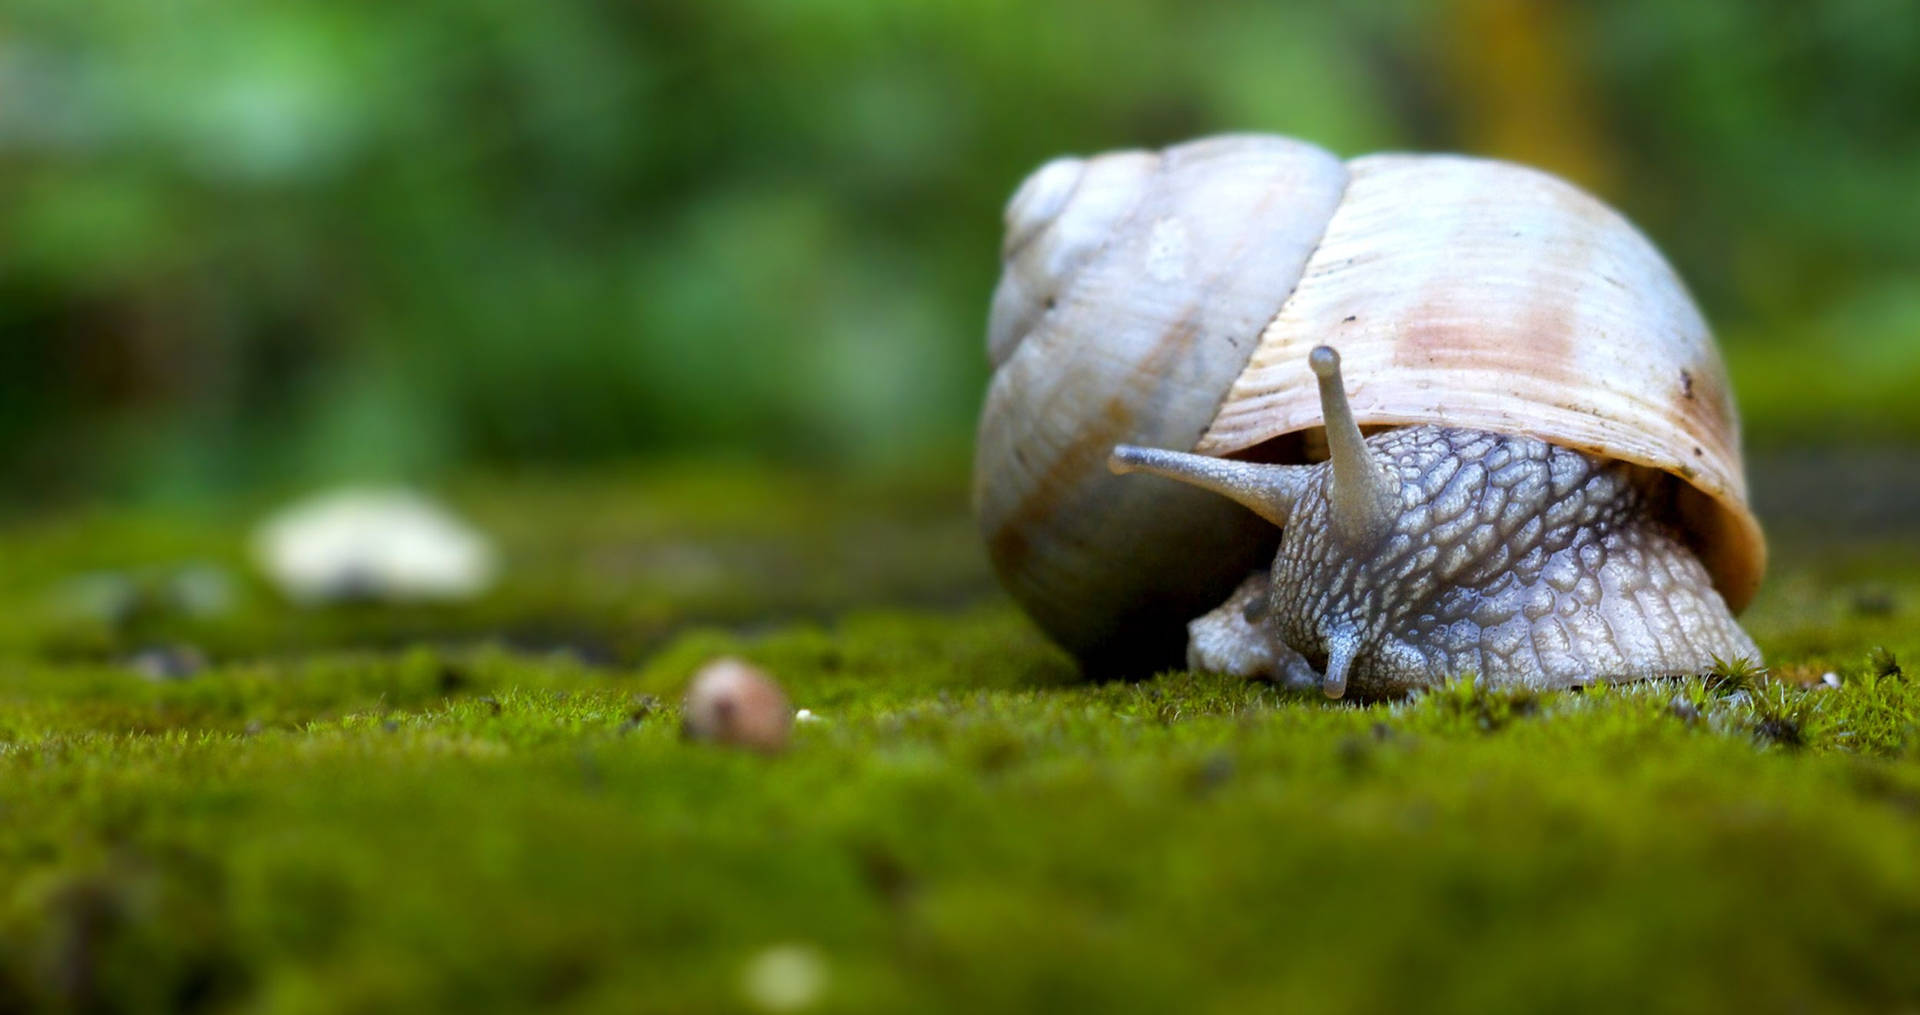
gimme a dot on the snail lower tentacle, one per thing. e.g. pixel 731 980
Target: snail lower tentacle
pixel 1236 638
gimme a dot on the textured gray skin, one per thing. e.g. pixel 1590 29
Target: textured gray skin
pixel 1504 556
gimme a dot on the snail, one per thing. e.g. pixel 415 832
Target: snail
pixel 1465 417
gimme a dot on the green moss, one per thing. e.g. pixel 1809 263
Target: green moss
pixel 324 821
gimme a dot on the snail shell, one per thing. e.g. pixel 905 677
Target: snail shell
pixel 1167 299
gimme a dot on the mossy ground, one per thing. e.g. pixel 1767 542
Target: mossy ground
pixel 489 806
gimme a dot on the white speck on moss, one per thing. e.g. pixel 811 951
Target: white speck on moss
pixel 784 978
pixel 379 545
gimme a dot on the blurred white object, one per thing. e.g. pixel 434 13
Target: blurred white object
pixel 784 978
pixel 384 545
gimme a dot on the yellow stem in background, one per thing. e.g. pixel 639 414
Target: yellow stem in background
pixel 1521 93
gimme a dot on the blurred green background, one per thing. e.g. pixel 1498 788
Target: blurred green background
pixel 269 244
pixel 625 280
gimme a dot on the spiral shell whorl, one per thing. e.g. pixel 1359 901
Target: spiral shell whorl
pixel 1135 284
pixel 1059 219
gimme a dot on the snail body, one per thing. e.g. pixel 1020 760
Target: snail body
pixel 1428 552
pixel 1556 497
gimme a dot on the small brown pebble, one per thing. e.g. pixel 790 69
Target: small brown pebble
pixel 731 702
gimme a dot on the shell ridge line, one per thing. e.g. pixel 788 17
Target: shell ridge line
pixel 1262 395
pixel 1044 499
pixel 1306 267
pixel 1113 408
pixel 1133 216
pixel 1100 252
pixel 1272 192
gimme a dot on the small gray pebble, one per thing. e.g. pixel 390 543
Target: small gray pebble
pixel 201 590
pixel 168 662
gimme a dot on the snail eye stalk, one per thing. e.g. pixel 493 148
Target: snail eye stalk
pixel 1267 490
pixel 1362 493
